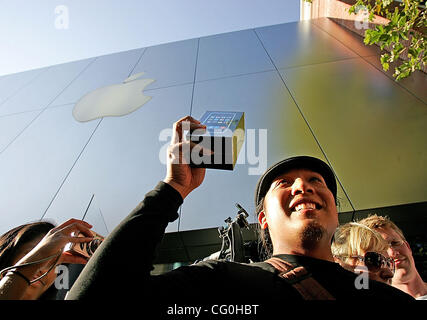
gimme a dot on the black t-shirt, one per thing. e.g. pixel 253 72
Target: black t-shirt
pixel 230 281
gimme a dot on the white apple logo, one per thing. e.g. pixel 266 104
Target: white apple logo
pixel 113 101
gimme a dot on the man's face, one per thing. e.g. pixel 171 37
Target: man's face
pixel 298 204
pixel 401 252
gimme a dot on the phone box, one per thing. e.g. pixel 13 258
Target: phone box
pixel 224 135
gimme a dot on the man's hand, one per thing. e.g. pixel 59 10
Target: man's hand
pixel 180 175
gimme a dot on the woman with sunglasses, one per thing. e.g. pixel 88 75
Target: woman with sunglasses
pixel 357 247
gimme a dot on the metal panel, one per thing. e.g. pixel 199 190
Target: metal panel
pixel 104 71
pixel 43 90
pixel 123 161
pixel 231 54
pixel 301 43
pixel 32 168
pixel 11 84
pixel 416 83
pixel 169 64
pixel 348 38
pixel 267 105
pixel 372 130
pixel 12 126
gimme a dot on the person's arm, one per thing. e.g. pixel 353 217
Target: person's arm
pixel 121 266
pixel 15 282
pixel 13 286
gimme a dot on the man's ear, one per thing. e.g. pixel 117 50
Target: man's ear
pixel 262 220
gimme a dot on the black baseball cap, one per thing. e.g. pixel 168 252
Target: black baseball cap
pixel 299 162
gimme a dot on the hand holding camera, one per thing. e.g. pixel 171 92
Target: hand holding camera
pixel 56 240
pixel 180 175
pixel 85 249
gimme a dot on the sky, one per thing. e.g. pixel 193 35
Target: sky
pixel 36 34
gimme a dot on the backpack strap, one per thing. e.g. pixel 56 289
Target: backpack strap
pixel 301 280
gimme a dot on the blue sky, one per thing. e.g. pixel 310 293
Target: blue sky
pixel 30 37
pixel 33 35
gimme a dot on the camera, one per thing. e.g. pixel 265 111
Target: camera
pixel 85 249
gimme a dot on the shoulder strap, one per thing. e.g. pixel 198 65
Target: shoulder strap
pixel 301 280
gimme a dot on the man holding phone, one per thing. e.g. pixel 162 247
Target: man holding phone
pixel 296 209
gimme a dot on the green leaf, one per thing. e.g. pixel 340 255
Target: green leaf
pixel 403 18
pixel 402 21
pixel 367 39
pixel 395 37
pixel 383 37
pixel 412 52
pixel 395 18
pixel 384 58
pixel 385 66
pixel 403 35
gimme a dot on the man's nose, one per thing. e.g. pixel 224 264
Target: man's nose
pixel 301 186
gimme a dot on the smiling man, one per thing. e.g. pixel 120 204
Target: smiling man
pixel 296 209
pixel 295 202
pixel 406 276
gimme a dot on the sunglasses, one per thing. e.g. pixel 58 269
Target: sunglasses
pixel 374 261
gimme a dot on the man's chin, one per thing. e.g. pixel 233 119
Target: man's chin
pixel 311 235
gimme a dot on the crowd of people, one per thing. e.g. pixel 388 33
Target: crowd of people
pixel 306 254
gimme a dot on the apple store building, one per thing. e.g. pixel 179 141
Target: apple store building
pixel 88 139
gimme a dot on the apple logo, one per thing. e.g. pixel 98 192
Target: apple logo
pixel 113 101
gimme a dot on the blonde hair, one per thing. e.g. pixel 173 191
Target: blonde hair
pixel 354 238
pixel 377 222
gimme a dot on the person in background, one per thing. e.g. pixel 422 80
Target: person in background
pixel 358 248
pixel 406 277
pixel 29 254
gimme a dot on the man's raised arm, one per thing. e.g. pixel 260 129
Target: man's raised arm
pixel 121 266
